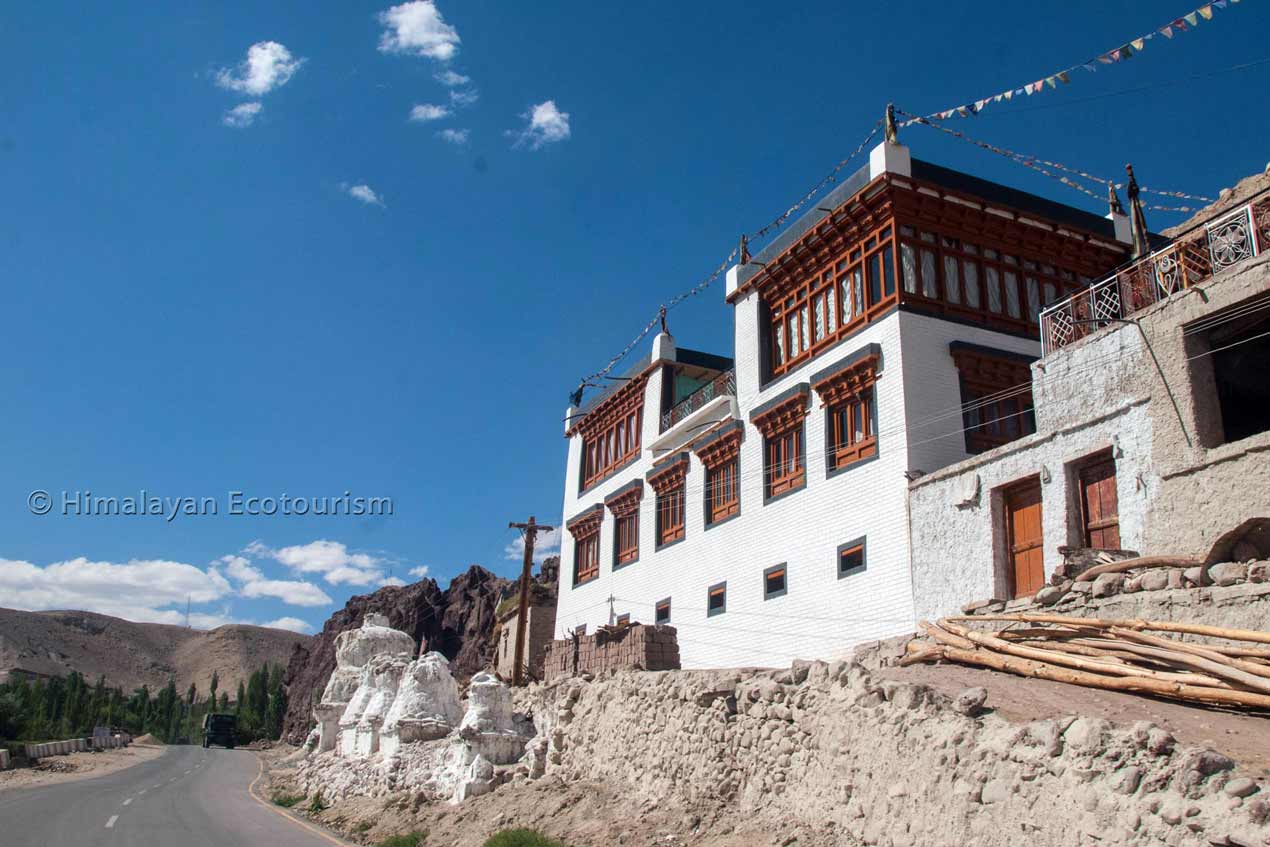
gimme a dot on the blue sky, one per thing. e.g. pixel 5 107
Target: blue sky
pixel 326 263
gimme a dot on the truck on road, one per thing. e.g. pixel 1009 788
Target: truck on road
pixel 220 729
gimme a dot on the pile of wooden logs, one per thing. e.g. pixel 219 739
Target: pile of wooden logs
pixel 1227 668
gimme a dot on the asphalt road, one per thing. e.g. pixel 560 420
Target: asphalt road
pixel 188 797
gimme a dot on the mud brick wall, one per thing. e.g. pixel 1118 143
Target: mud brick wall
pixel 651 648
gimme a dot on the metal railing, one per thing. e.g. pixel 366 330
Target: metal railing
pixel 1232 237
pixel 723 385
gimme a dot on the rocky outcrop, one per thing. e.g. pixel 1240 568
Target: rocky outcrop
pixel 457 622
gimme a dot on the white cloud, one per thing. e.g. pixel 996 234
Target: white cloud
pixel 254 585
pixel 466 97
pixel 420 571
pixel 363 192
pixel 331 559
pixel 268 65
pixel 150 591
pixel 393 581
pixel 293 624
pixel 242 115
pixel 423 112
pixel 545 124
pixel 419 29
pixel 546 544
pixel 455 136
pixel 451 78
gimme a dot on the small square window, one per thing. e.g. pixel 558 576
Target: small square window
pixel 851 558
pixel 662 613
pixel 580 629
pixel 624 619
pixel 717 599
pixel 774 582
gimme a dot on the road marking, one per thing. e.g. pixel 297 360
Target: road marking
pixel 251 789
pixel 110 824
pixel 128 802
pixel 159 786
pixel 187 773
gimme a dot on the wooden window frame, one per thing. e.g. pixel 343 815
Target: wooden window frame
pixel 848 392
pixel 720 456
pixel 719 589
pixel 669 482
pixel 996 409
pixel 585 529
pixel 806 319
pixel 856 545
pixel 612 432
pixel 657 609
pixel 784 444
pixel 780 570
pixel 624 505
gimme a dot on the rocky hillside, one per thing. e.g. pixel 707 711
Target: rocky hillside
pixel 459 622
pixel 131 654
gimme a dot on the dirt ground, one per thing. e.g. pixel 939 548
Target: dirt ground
pixel 77 766
pixel 1242 736
pixel 583 814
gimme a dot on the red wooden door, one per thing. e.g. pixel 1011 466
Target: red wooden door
pixel 1023 527
pixel 1098 506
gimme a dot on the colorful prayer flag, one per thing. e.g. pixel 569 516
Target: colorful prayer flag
pixel 1206 12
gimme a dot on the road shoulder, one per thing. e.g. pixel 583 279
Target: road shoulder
pixel 56 770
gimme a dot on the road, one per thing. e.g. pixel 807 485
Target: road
pixel 188 797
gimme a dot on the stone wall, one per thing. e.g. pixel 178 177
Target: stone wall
pixel 1143 390
pixel 542 626
pixel 878 762
pixel 654 648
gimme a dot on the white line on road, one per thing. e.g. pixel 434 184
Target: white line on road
pixel 187 773
pixel 159 786
pixel 143 791
pixel 110 824
pixel 128 802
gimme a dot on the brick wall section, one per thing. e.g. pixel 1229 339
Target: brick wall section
pixel 652 648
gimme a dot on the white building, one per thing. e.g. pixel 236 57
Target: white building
pixel 759 503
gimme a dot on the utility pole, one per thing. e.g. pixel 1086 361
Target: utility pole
pixel 529 530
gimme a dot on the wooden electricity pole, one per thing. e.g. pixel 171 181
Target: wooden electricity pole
pixel 530 530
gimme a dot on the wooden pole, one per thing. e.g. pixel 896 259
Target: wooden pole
pixel 1141 562
pixel 1136 624
pixel 529 530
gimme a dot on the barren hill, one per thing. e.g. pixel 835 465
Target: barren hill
pixel 131 654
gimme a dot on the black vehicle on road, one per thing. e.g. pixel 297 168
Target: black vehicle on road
pixel 220 729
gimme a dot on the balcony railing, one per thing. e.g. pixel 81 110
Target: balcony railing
pixel 1194 256
pixel 723 385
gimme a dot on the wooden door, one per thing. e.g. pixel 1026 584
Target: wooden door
pixel 1098 506
pixel 1023 530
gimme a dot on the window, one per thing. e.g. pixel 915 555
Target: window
pixel 996 395
pixel 785 470
pixel 1233 357
pixel 585 529
pixel 781 422
pixel 670 516
pixel 624 504
pixel 580 629
pixel 627 537
pixel 661 612
pixel 669 481
pixel 951 275
pixel 623 619
pixel 716 599
pixel 847 391
pixel 806 317
pixel 719 454
pixel 774 582
pixel 611 447
pixel 586 559
pixel 722 491
pixel 851 558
